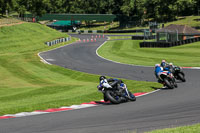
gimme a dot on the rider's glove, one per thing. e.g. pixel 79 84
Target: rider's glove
pixel 100 87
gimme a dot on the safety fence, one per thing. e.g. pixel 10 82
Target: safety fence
pixel 107 31
pixel 126 31
pixel 60 40
pixel 86 31
pixel 168 44
pixel 80 17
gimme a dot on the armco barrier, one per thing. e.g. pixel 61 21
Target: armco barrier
pixel 86 31
pixel 126 31
pixel 168 44
pixel 60 40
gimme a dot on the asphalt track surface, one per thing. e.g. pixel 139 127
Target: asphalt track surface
pixel 163 109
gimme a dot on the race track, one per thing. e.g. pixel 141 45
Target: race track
pixel 165 108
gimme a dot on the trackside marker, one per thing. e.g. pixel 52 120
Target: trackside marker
pixel 90 103
pixel 83 105
pixel 54 110
pixel 192 67
pixel 139 94
pixel 6 117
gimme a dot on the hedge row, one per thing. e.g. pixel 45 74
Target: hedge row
pixel 141 37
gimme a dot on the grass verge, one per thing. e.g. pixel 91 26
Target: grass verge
pixel 129 52
pixel 184 129
pixel 27 84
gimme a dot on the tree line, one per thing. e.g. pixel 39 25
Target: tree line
pixel 159 10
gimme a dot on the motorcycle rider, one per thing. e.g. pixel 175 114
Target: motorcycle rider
pixel 169 67
pixel 163 64
pixel 158 69
pixel 114 83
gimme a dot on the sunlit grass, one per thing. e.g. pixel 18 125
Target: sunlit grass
pixel 129 52
pixel 27 84
pixel 184 129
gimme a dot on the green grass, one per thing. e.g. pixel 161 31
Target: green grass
pixel 27 84
pixel 184 129
pixel 129 52
pixel 120 37
pixel 193 21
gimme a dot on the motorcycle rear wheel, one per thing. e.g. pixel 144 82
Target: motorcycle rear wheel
pixel 181 77
pixel 112 97
pixel 168 83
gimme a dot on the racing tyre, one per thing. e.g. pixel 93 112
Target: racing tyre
pixel 168 83
pixel 105 98
pixel 132 97
pixel 181 77
pixel 113 98
pixel 175 85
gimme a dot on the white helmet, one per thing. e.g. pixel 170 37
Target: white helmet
pixel 157 65
pixel 163 61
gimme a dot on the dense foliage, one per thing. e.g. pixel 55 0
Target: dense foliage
pixel 160 10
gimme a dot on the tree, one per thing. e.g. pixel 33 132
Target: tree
pixel 185 7
pixel 6 5
pixel 37 7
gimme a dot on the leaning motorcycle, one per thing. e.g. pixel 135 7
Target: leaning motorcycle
pixel 115 95
pixel 178 73
pixel 167 79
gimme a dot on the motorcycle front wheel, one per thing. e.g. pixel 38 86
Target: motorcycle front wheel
pixel 131 96
pixel 113 98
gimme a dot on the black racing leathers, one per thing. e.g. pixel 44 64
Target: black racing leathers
pixel 115 83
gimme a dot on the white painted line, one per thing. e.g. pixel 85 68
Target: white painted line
pixel 82 106
pixel 148 93
pixel 26 114
pixel 130 64
pixel 112 60
pixel 46 62
pixel 43 60
pixel 191 67
pixel 50 59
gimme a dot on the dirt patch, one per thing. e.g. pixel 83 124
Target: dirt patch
pixel 12 24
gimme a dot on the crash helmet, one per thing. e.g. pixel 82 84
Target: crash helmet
pixel 123 86
pixel 102 78
pixel 163 63
pixel 171 64
pixel 157 65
